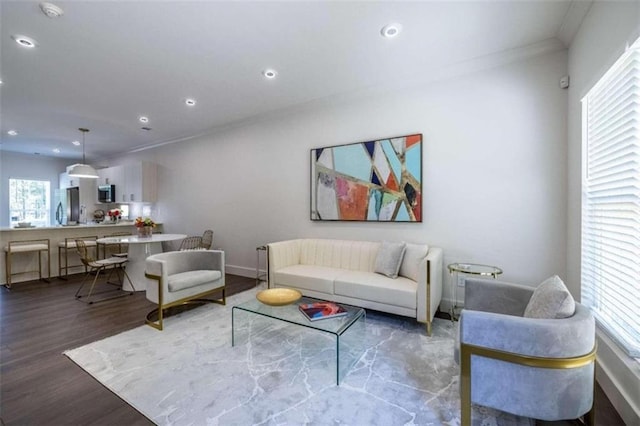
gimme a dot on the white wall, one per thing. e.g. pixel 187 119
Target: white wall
pixel 493 170
pixel 607 29
pixel 27 166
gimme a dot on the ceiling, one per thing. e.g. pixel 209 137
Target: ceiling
pixel 102 65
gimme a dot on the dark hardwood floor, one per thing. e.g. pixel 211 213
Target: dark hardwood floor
pixel 39 385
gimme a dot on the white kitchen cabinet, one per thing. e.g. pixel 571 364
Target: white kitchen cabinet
pixel 88 188
pixel 110 176
pixel 140 183
pixel 135 183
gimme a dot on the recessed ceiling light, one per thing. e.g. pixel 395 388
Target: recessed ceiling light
pixel 144 119
pixel 12 132
pixel 190 102
pixel 56 150
pixel 76 143
pixel 391 30
pixel 51 10
pixel 269 73
pixel 24 41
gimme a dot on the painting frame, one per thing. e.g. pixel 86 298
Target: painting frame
pixel 371 181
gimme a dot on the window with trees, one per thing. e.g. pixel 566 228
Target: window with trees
pixel 29 201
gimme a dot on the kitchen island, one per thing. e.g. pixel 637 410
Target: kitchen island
pixel 55 234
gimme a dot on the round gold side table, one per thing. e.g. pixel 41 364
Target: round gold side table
pixel 455 269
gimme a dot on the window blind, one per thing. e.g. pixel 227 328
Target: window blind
pixel 611 201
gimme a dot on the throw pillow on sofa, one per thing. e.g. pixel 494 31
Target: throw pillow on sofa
pixel 413 256
pixel 389 258
pixel 550 300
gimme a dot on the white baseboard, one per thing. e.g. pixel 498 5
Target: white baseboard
pixel 241 271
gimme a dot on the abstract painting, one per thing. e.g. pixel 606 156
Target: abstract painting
pixel 376 181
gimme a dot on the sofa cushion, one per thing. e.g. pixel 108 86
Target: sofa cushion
pixel 550 300
pixel 190 279
pixel 414 254
pixel 307 277
pixel 343 254
pixel 377 288
pixel 389 258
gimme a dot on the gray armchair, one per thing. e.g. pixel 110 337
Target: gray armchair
pixel 532 367
pixel 183 277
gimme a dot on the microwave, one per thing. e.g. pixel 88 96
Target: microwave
pixel 106 193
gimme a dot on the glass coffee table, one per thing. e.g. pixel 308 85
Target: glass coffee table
pixel 348 330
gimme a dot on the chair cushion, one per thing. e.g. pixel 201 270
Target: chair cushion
pixel 377 288
pixel 26 247
pixel 550 300
pixel 190 279
pixel 413 256
pixel 389 258
pixel 107 262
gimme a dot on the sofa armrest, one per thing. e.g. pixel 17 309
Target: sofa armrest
pixel 429 292
pixel 156 268
pixel 496 296
pixel 551 338
pixel 280 255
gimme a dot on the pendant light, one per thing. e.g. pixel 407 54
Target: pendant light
pixel 82 170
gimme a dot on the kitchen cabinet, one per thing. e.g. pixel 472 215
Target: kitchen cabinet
pixel 88 188
pixel 140 183
pixel 111 176
pixel 135 183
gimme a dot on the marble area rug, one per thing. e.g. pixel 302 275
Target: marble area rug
pixel 189 374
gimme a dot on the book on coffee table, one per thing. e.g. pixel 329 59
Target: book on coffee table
pixel 321 310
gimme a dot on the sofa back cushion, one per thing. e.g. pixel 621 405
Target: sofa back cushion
pixel 344 254
pixel 414 254
pixel 389 258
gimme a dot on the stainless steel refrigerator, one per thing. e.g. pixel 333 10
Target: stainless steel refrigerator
pixel 73 206
pixel 69 211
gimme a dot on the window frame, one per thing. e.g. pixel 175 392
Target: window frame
pixel 610 234
pixel 45 210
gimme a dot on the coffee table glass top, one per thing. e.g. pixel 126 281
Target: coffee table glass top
pixel 291 313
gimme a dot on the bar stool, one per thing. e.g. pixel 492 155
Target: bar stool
pixel 27 246
pixel 69 243
pixel 117 247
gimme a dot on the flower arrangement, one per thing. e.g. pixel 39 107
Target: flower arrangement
pixel 114 214
pixel 147 221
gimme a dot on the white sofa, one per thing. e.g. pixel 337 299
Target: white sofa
pixel 343 271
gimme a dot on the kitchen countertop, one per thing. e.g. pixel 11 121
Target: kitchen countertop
pixel 83 226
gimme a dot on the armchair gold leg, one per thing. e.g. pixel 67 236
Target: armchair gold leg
pixel 155 324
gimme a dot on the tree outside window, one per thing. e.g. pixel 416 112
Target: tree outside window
pixel 29 201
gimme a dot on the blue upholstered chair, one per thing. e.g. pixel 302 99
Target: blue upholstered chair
pixel 540 367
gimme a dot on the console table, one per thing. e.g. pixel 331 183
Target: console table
pixel 455 269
